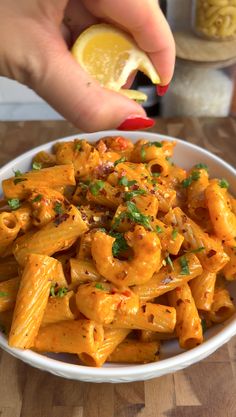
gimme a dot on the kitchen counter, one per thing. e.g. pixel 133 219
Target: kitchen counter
pixel 207 389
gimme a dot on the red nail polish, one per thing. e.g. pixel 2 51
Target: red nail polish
pixel 162 89
pixel 136 123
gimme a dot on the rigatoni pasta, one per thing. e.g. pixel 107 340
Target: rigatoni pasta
pixel 109 250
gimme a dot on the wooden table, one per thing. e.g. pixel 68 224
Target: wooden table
pixel 207 389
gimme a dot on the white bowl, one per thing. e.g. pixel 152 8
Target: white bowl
pixel 172 357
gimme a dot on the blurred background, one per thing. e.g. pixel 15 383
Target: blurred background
pixel 205 76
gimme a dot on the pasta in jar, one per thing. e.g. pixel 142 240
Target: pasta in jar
pixel 215 19
pixel 109 249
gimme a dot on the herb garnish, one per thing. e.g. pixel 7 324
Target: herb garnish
pixel 135 215
pixel 143 154
pixel 37 166
pixel 37 198
pixel 17 180
pixel 3 294
pixel 14 203
pixel 78 146
pixel 120 244
pixel 131 194
pixel 118 161
pixel 174 234
pixel 197 250
pixel 99 286
pixel 193 177
pixel 169 262
pixel 58 208
pixel 157 144
pixel 223 183
pixel 62 291
pixel 159 229
pixel 52 291
pixel 125 182
pixel 96 186
pixel 17 173
pixel 201 166
pixel 184 266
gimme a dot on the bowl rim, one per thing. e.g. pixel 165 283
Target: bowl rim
pixel 173 363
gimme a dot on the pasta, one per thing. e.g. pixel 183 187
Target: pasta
pixel 109 250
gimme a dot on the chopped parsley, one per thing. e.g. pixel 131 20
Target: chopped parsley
pixel 159 229
pixel 169 262
pixel 17 180
pixel 37 198
pixel 58 208
pixel 131 194
pixel 223 183
pixel 119 245
pixel 201 166
pixel 184 266
pixel 17 173
pixel 14 203
pixel 118 161
pixel 157 144
pixel 125 182
pixel 143 154
pixel 3 294
pixel 37 166
pixel 118 220
pixel 204 325
pixel 197 250
pixel 193 177
pixel 52 291
pixel 78 146
pixel 62 291
pixel 99 286
pixel 174 234
pixel 96 187
pixel 135 215
pixel 156 174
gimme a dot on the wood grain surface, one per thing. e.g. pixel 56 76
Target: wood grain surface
pixel 202 51
pixel 207 389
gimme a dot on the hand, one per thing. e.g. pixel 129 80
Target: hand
pixel 34 51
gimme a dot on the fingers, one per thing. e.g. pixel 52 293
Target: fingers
pixel 147 24
pixel 79 98
pixel 77 18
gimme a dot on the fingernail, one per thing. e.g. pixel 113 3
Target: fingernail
pixel 162 89
pixel 136 122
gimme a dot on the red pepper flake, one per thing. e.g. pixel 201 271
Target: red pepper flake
pixel 179 301
pixel 150 318
pixel 143 308
pixel 60 218
pixel 126 293
pixel 211 253
pixel 168 311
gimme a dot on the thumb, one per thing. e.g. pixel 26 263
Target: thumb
pixel 80 98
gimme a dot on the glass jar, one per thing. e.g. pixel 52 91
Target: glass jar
pixel 215 19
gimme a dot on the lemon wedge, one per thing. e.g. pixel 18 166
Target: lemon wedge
pixel 110 55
